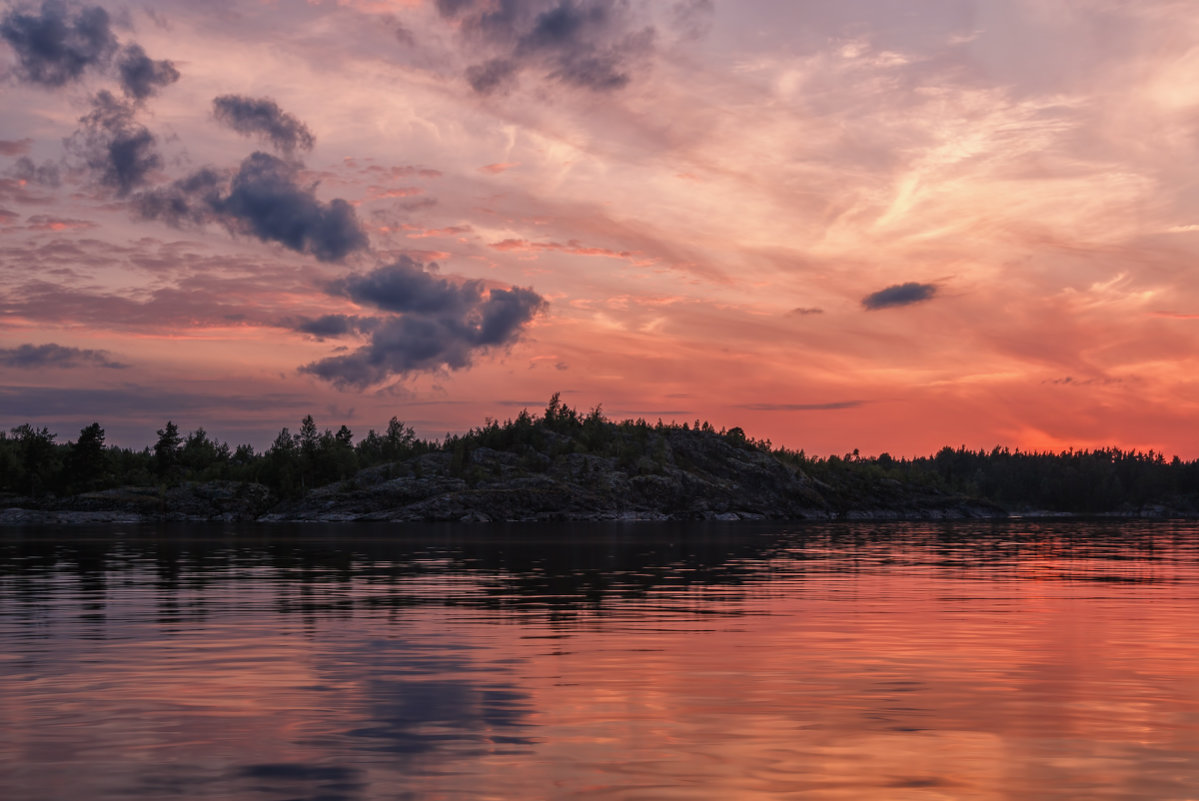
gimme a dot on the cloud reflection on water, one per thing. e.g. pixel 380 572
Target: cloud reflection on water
pixel 976 661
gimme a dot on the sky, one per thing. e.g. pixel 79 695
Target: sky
pixel 874 224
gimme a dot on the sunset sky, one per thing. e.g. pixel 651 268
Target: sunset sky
pixel 876 224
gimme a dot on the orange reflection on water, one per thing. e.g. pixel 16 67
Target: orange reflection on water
pixel 903 693
pixel 891 669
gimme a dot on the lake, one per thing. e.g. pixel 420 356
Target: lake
pixel 1012 660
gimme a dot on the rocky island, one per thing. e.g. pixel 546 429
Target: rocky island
pixel 558 465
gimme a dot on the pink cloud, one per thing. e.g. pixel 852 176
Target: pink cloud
pixel 46 222
pixel 15 147
pixel 572 247
pixel 452 230
pixel 384 193
pixel 499 167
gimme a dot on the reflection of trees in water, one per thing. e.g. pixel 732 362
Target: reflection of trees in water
pixel 324 570
pixel 419 696
pixel 555 571
pixel 1066 550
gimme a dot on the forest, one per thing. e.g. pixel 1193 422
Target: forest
pixel 35 464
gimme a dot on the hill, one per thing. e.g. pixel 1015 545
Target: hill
pixel 558 465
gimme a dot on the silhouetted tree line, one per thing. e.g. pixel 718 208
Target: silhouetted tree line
pixel 34 464
pixel 1080 481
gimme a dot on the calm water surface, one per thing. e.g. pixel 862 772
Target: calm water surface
pixel 1013 661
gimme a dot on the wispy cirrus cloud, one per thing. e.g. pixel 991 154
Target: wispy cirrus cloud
pixel 573 247
pixel 802 407
pixel 48 222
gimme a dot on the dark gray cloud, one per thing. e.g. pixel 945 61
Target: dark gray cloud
pixel 56 46
pixel 564 24
pixel 591 44
pixel 262 117
pixel 28 357
pixel 436 324
pixel 407 286
pixel 599 72
pixel 625 414
pixel 128 401
pixel 805 311
pixel 263 199
pixel 1085 382
pixel 492 75
pixel 451 8
pixel 899 295
pixel 801 407
pixel 501 316
pixel 527 404
pixel 142 76
pixel 411 343
pixel 44 174
pixel 266 201
pixel 193 199
pixel 121 151
pixel 332 325
pixel 404 36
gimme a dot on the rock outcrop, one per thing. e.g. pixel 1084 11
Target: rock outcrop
pixel 685 477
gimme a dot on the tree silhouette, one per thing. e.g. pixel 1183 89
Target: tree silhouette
pixel 166 451
pixel 87 461
pixel 38 458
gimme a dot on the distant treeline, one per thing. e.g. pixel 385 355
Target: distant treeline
pixel 1078 481
pixel 34 464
